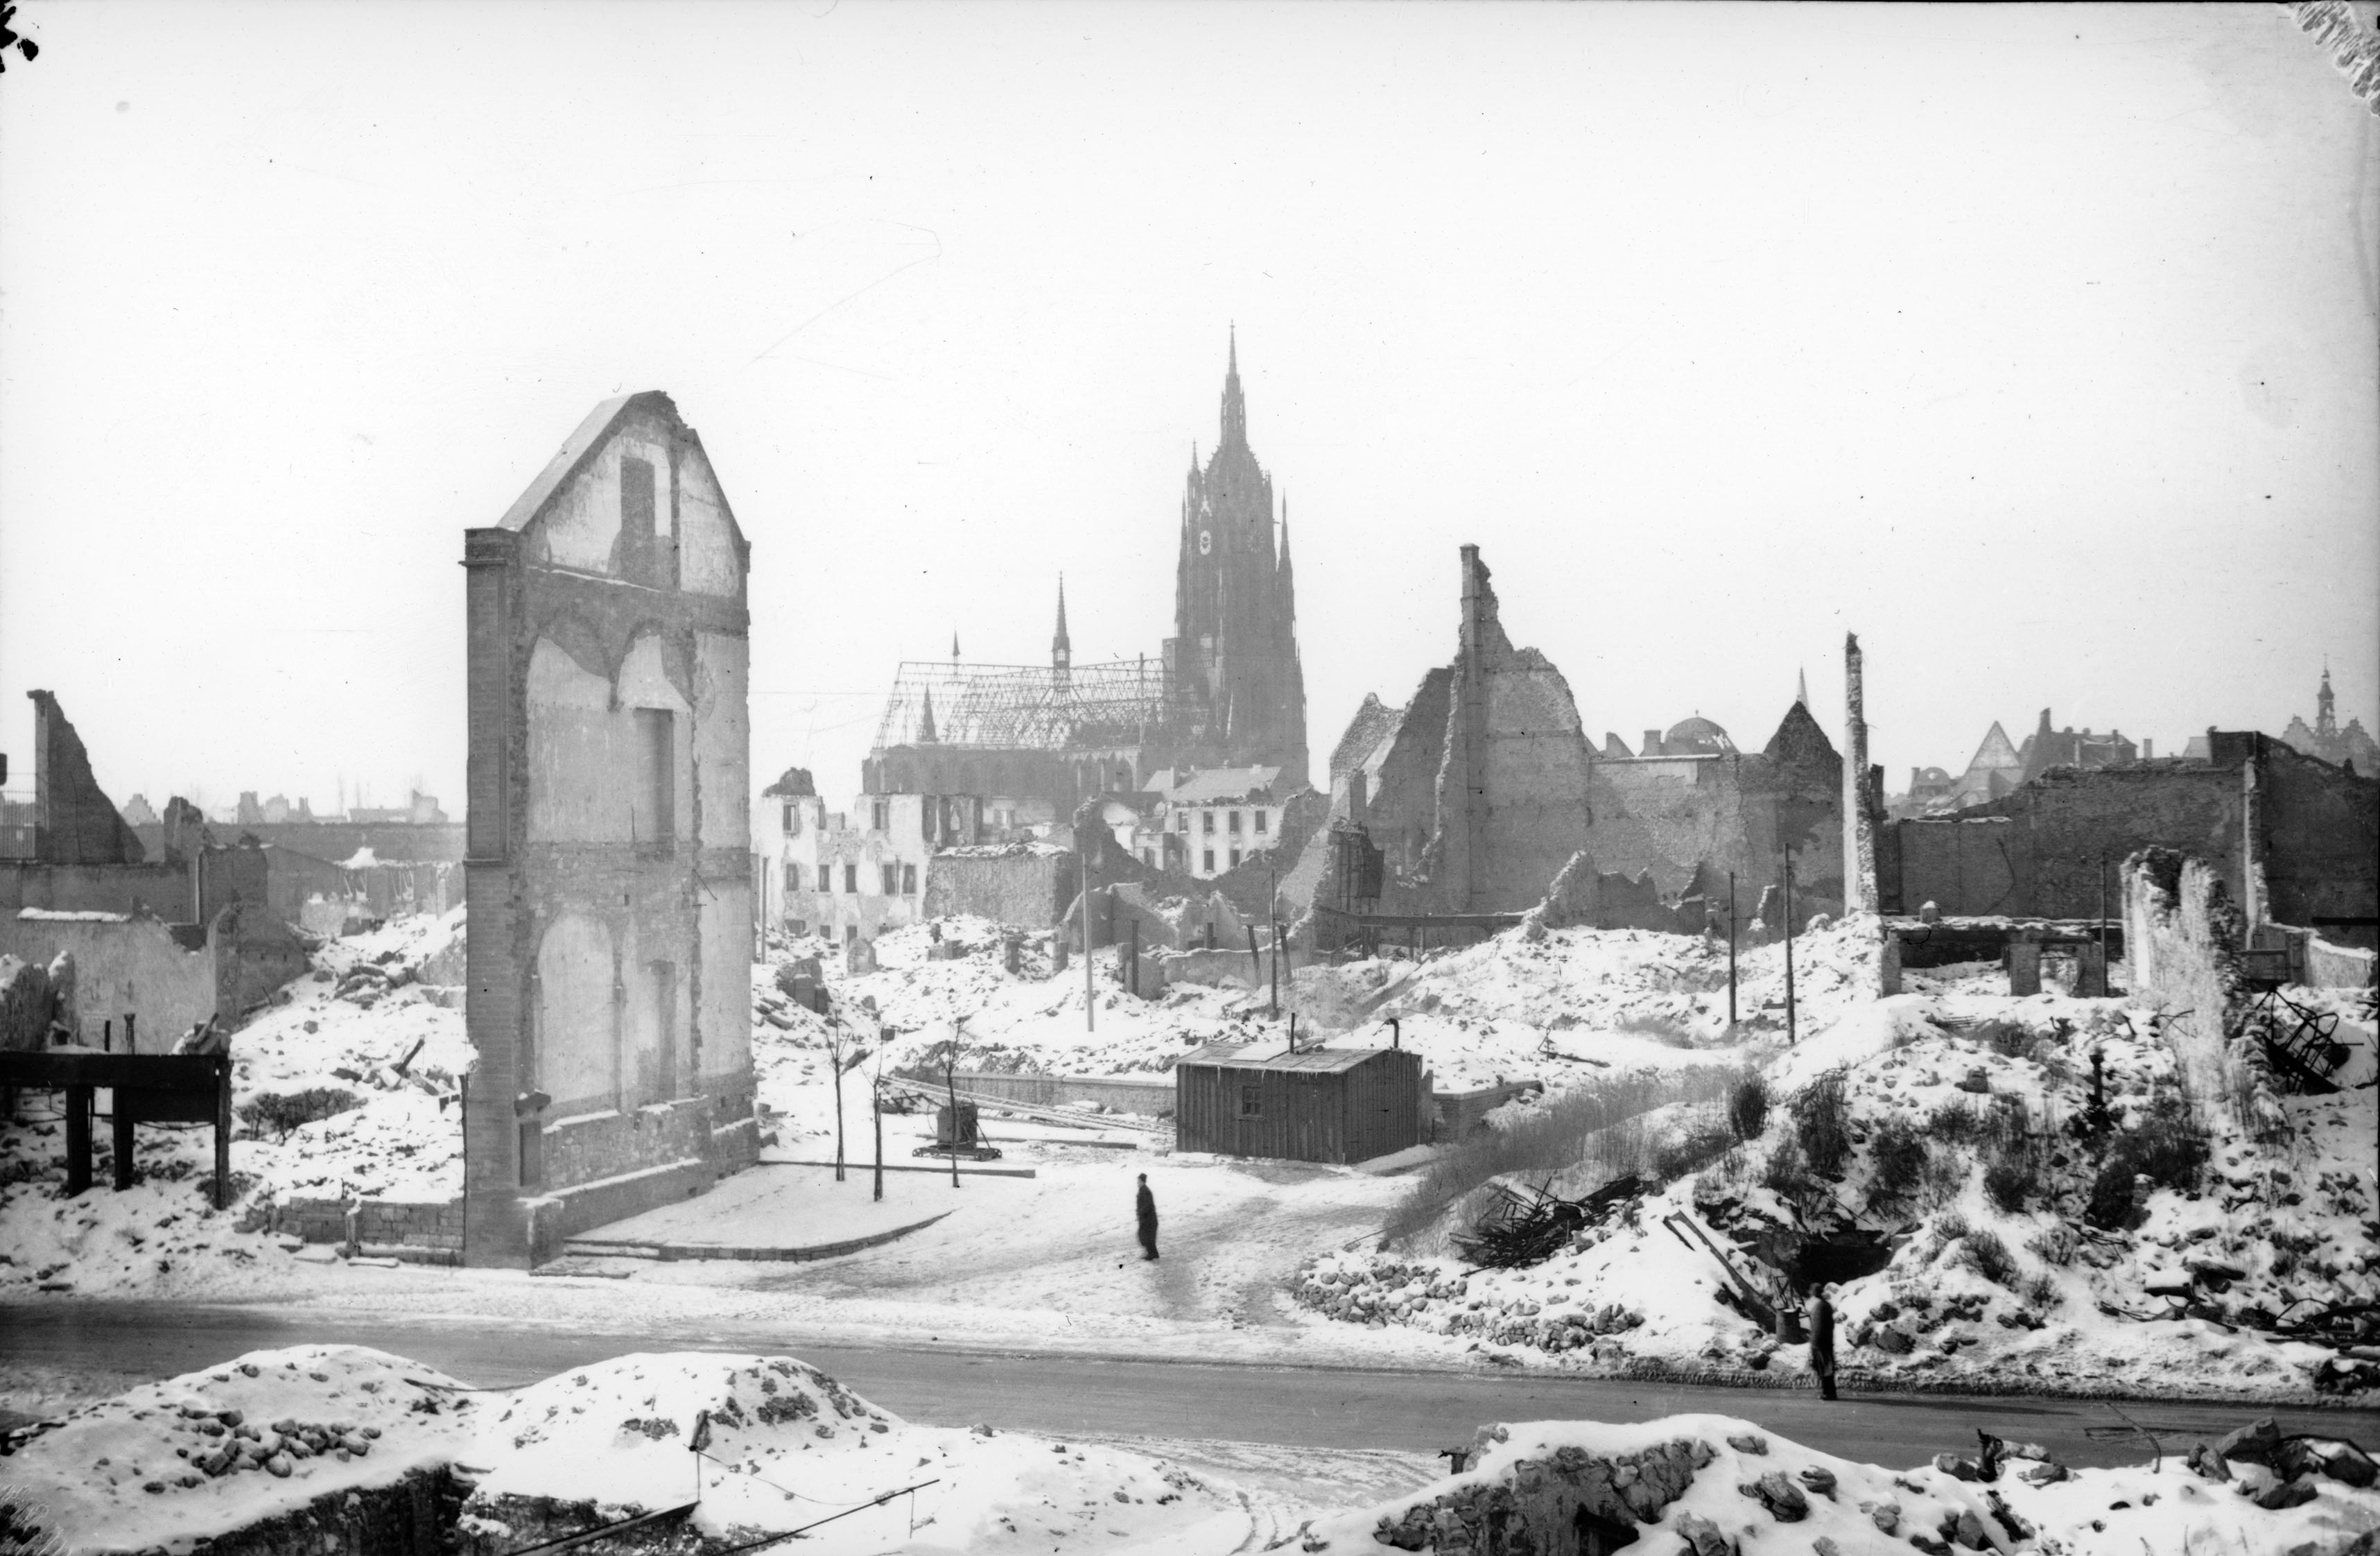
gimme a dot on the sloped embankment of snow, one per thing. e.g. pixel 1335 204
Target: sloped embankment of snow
pixel 270 1436
pixel 1718 1486
pixel 283 1442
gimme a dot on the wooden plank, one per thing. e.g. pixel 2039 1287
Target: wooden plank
pixel 48 1069
pixel 222 1132
pixel 78 1139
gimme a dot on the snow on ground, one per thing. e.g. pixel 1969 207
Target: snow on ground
pixel 787 1446
pixel 168 1464
pixel 1718 1485
pixel 1961 1107
pixel 369 1002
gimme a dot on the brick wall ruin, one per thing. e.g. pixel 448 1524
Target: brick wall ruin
pixel 75 822
pixel 1512 782
pixel 608 872
pixel 2292 838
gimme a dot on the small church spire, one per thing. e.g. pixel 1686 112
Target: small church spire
pixel 1236 414
pixel 1802 688
pixel 1061 649
pixel 2326 705
pixel 954 648
pixel 925 735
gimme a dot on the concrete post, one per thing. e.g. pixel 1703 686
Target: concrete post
pixel 2091 971
pixel 1858 829
pixel 2024 958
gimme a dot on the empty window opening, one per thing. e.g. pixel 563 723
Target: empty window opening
pixel 1252 1101
pixel 656 810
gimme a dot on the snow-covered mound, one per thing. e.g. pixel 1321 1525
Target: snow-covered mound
pixel 1717 1486
pixel 169 1464
pixel 783 1445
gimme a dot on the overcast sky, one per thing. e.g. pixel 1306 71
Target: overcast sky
pixel 2035 345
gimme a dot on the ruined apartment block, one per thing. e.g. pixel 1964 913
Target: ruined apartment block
pixel 608 865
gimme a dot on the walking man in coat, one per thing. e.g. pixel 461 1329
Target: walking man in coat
pixel 1820 1312
pixel 1144 1207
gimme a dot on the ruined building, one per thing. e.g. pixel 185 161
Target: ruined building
pixel 2295 840
pixel 2351 747
pixel 1480 789
pixel 608 866
pixel 185 936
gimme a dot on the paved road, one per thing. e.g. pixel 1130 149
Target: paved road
pixel 1321 1408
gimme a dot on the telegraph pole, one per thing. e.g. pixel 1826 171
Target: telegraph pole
pixel 1731 949
pixel 1789 948
pixel 1090 984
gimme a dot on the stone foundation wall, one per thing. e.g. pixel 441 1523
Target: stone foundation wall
pixel 421 1231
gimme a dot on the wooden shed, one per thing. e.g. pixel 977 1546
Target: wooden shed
pixel 1322 1104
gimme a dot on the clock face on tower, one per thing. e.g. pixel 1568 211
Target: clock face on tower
pixel 1206 541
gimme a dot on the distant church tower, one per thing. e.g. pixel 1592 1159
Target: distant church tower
pixel 1232 667
pixel 2326 709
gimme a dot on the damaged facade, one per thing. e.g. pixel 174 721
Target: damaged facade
pixel 2293 839
pixel 184 937
pixel 608 872
pixel 1480 791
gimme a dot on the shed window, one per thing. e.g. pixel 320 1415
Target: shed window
pixel 1252 1101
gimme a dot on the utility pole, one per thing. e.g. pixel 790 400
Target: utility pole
pixel 950 1080
pixel 876 1093
pixel 1789 948
pixel 1731 949
pixel 1090 984
pixel 2102 990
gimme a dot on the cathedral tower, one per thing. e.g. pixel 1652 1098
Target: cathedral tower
pixel 1232 666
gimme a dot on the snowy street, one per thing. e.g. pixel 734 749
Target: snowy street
pixel 1343 1407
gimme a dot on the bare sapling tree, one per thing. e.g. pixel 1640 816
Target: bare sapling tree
pixel 845 1052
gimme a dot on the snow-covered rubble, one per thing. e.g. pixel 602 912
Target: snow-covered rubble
pixel 2023 1240
pixel 368 1046
pixel 1718 1486
pixel 763 1445
pixel 783 1445
pixel 170 1465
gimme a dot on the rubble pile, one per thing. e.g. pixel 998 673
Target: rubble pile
pixel 2004 1193
pixel 1716 1486
pixel 1384 1292
pixel 301 1449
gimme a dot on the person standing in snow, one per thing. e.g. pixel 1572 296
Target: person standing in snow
pixel 1144 1207
pixel 1820 1311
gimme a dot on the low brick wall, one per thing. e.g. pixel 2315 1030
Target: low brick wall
pixel 1127 1094
pixel 418 1513
pixel 1459 1113
pixel 419 1230
pixel 2338 967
